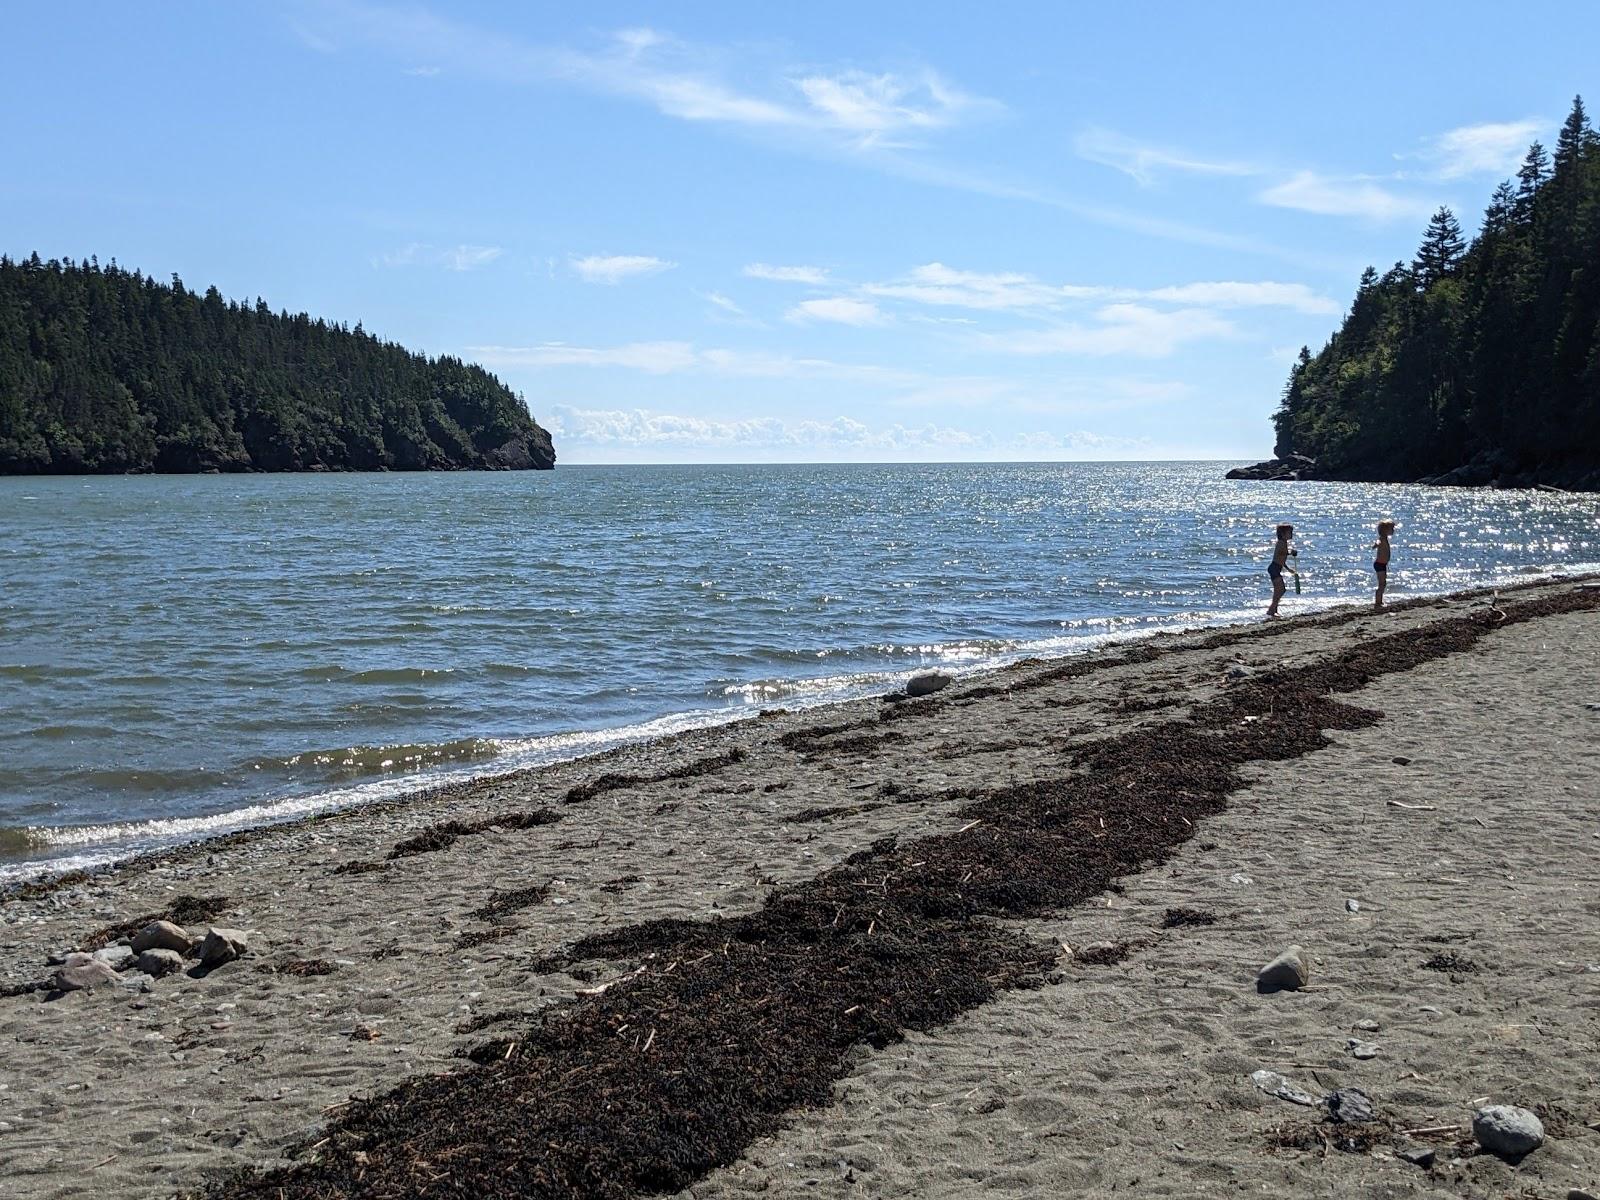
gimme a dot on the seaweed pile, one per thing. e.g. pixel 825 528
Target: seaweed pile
pixel 645 1083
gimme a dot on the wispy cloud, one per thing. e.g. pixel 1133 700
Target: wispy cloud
pixel 940 285
pixel 642 429
pixel 841 310
pixel 1143 161
pixel 452 258
pixel 1118 329
pixel 671 357
pixel 1492 148
pixel 1333 196
pixel 811 275
pixel 614 268
pixel 423 72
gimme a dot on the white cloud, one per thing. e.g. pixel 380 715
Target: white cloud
pixel 843 310
pixel 873 107
pixel 1493 148
pixel 1142 161
pixel 425 72
pixel 935 283
pixel 640 429
pixel 722 303
pixel 673 357
pixel 812 275
pixel 452 258
pixel 939 285
pixel 1296 296
pixel 614 268
pixel 1343 197
pixel 1129 329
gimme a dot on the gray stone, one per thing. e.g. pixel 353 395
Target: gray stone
pixel 928 682
pixel 161 935
pixel 1418 1156
pixel 1286 973
pixel 1274 1084
pixel 76 976
pixel 1580 1194
pixel 160 962
pixel 1352 906
pixel 1507 1130
pixel 222 946
pixel 1367 1025
pixel 1361 1049
pixel 115 957
pixel 1351 1105
pixel 1239 671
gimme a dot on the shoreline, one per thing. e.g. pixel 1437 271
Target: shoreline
pixel 388 942
pixel 21 874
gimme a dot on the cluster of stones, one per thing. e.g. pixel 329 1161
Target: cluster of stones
pixel 1502 1129
pixel 158 949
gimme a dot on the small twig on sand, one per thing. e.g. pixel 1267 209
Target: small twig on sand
pixel 969 825
pixel 1414 807
pixel 1427 1130
pixel 103 1162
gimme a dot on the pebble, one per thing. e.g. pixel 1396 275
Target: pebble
pixel 1507 1130
pixel 1351 1105
pixel 115 957
pixel 1352 906
pixel 928 682
pixel 222 946
pixel 159 962
pixel 161 935
pixel 1580 1194
pixel 1288 972
pixel 1274 1084
pixel 1367 1025
pixel 1418 1156
pixel 1401 760
pixel 1240 878
pixel 1361 1049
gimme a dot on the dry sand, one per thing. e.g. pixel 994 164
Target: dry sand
pixel 1131 1077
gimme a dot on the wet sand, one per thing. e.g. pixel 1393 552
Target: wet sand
pixel 1107 1077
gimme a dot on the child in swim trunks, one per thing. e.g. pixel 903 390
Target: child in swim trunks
pixel 1281 553
pixel 1380 560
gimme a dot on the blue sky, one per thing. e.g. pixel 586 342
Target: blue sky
pixel 830 231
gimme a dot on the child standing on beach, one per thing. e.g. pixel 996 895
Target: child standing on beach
pixel 1380 560
pixel 1281 553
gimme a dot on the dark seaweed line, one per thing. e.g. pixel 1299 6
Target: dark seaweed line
pixel 725 1026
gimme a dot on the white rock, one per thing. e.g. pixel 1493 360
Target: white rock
pixel 161 935
pixel 77 976
pixel 1507 1130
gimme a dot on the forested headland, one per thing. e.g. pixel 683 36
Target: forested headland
pixel 1473 364
pixel 106 370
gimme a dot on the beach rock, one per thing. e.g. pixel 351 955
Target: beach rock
pixel 1360 1049
pixel 1286 973
pixel 1367 1025
pixel 1580 1194
pixel 222 946
pixel 928 682
pixel 115 957
pixel 160 961
pixel 1507 1130
pixel 1351 1106
pixel 1418 1156
pixel 1352 906
pixel 161 935
pixel 1239 671
pixel 1400 760
pixel 80 975
pixel 1274 1084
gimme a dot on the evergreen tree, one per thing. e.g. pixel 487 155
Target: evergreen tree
pixel 104 370
pixel 1441 249
pixel 1476 363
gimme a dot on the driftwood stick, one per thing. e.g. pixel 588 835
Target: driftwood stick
pixel 1429 1129
pixel 1413 807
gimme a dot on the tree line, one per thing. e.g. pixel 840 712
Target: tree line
pixel 108 370
pixel 1473 363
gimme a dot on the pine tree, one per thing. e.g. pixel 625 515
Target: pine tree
pixel 1441 249
pixel 1574 140
pixel 1531 175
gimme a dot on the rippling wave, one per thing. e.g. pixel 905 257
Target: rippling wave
pixel 188 655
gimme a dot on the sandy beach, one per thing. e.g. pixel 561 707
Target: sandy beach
pixel 1050 889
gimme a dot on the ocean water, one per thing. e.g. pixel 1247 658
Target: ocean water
pixel 183 655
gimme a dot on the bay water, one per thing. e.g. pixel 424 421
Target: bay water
pixel 184 655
